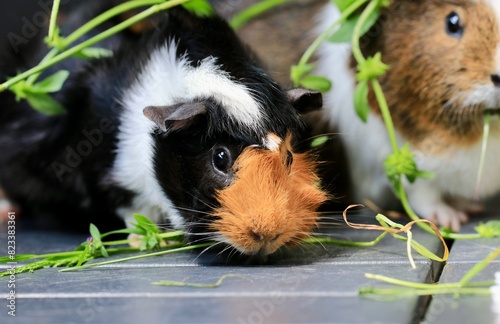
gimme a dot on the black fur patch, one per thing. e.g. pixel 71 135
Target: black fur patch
pixel 48 168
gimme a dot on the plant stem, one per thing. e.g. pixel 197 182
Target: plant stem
pixel 482 159
pixel 321 240
pixel 409 284
pixel 386 114
pixel 53 52
pixel 106 16
pixel 53 19
pixel 409 211
pixel 306 57
pixel 356 49
pixel 426 292
pixel 173 250
pixel 196 285
pixel 87 27
pixel 115 29
pixel 479 267
pixel 251 12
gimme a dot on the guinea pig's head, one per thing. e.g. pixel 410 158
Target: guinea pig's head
pixel 444 59
pixel 244 186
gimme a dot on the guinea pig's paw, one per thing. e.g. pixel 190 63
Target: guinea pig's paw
pixel 443 215
pixel 135 240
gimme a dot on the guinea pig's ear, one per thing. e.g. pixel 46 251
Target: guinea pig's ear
pixel 175 117
pixel 304 100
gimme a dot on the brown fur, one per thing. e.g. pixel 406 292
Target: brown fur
pixel 270 204
pixel 429 67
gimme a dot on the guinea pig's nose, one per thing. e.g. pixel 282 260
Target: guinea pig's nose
pixel 495 78
pixel 259 237
pixel 256 236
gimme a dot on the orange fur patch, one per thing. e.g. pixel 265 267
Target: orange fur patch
pixel 270 204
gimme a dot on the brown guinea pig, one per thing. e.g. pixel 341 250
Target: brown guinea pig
pixel 444 59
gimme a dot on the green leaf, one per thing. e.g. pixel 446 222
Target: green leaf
pixel 52 83
pixel 314 82
pixel 319 141
pixel 93 53
pixel 371 68
pixel 104 252
pixel 44 103
pixel 403 163
pixel 346 30
pixel 19 89
pixel 489 229
pixel 144 244
pixel 152 242
pixel 57 41
pixel 18 257
pixel 343 4
pixel 96 235
pixel 146 223
pixel 201 8
pixel 297 71
pixel 361 104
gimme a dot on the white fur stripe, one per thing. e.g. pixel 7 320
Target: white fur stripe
pixel 168 79
pixel 208 80
pixel 272 142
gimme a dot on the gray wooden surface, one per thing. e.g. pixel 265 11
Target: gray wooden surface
pixel 311 284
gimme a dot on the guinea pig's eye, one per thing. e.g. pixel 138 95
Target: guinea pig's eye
pixel 454 25
pixel 222 159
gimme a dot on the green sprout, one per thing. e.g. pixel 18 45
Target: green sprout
pixel 23 84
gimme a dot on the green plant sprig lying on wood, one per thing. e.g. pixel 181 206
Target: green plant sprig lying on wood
pixel 401 164
pixel 95 247
pixel 389 227
pixel 197 285
pixel 463 287
pixel 149 238
pixel 37 94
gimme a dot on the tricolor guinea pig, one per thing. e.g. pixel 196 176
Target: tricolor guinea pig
pixel 444 60
pixel 180 125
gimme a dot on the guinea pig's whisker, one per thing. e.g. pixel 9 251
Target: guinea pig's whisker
pixel 206 249
pixel 199 200
pixel 332 212
pixel 330 216
pixel 194 210
pixel 206 238
pixel 211 206
pixel 164 225
pixel 234 252
pixel 227 248
pixel 198 223
pixel 330 225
